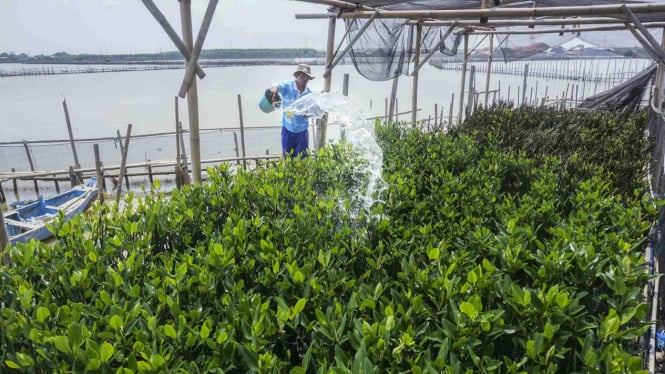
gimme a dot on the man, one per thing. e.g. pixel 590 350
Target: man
pixel 295 134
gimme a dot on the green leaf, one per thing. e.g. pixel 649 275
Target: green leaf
pixel 297 370
pixel 390 323
pixel 169 331
pixel 62 344
pixel 157 361
pixel 468 309
pixel 106 351
pixel 298 277
pixel 248 357
pixel 433 253
pixel 23 359
pixel 42 314
pixel 300 305
pixel 75 335
pixel 116 322
pixel 205 331
pixel 472 277
pixel 93 364
pixel 11 364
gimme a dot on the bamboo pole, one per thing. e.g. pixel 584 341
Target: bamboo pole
pixel 650 25
pixel 71 134
pixel 55 181
pixel 414 93
pixel 122 152
pixel 647 35
pixel 496 13
pixel 192 94
pixel 236 149
pixel 470 93
pixel 123 163
pixel 393 99
pixel 178 172
pixel 464 64
pixel 489 70
pixel 242 131
pixel 4 240
pixel 100 175
pixel 450 111
pixel 186 52
pixel 72 177
pixel 3 197
pixel 345 86
pixel 330 46
pixel 32 165
pixel 435 48
pixel 526 74
pixel 193 61
pixel 15 185
pixel 339 56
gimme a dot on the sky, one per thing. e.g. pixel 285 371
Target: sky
pixel 125 26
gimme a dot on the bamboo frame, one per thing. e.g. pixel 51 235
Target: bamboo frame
pixel 152 8
pixel 494 13
pixel 193 61
pixel 338 57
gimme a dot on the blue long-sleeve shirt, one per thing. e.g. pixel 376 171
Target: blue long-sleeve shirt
pixel 290 93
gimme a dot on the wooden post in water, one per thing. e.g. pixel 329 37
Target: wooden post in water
pixel 55 180
pixel 236 149
pixel 242 133
pixel 15 185
pixel 436 114
pixel 71 135
pixel 3 198
pixel 472 86
pixel 72 177
pixel 414 93
pixel 345 88
pixel 385 116
pixel 4 240
pixel 122 154
pixel 123 163
pixel 526 74
pixel 100 175
pixel 32 165
pixel 450 111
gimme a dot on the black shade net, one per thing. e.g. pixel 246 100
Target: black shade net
pixel 387 48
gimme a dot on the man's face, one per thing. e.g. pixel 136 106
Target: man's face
pixel 302 78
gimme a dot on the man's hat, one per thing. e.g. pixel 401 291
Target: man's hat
pixel 305 69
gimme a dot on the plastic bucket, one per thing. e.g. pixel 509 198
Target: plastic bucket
pixel 266 103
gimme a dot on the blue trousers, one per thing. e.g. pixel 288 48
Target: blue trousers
pixel 294 143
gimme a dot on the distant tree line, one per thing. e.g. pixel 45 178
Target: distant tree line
pixel 235 53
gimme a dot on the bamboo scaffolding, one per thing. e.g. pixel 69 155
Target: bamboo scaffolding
pixel 494 13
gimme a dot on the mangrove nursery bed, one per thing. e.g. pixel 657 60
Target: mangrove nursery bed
pixel 476 257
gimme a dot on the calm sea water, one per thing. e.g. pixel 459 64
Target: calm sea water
pixel 100 104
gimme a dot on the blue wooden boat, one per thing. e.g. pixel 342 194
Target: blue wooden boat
pixel 30 221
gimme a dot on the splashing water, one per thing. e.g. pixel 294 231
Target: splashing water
pixel 358 132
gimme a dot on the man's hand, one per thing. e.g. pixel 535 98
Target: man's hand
pixel 273 91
